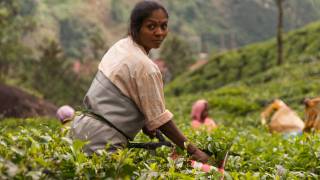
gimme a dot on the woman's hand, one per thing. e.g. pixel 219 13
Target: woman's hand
pixel 150 134
pixel 196 153
pixel 199 155
pixel 174 134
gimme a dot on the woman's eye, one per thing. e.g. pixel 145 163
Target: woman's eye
pixel 164 26
pixel 151 26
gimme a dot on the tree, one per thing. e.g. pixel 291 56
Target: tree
pixel 119 11
pixel 279 4
pixel 48 70
pixel 280 21
pixel 97 45
pixel 54 79
pixel 279 32
pixel 177 54
pixel 14 21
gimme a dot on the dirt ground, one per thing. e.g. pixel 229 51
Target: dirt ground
pixel 17 103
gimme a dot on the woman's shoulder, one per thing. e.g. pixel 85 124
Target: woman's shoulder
pixel 142 62
pixel 148 68
pixel 130 55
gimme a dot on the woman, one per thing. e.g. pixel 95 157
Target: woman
pixel 312 115
pixel 283 119
pixel 127 92
pixel 199 114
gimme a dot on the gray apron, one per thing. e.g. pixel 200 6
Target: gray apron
pixel 113 118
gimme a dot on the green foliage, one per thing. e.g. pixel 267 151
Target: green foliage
pixel 14 20
pixel 177 54
pixel 28 8
pixel 223 23
pixel 97 45
pixel 249 61
pixel 119 11
pixel 76 37
pixel 239 104
pixel 52 76
pixel 35 148
pixel 207 24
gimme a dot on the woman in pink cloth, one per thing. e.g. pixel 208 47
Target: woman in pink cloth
pixel 200 117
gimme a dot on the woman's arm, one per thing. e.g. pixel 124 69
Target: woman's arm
pixel 266 113
pixel 175 135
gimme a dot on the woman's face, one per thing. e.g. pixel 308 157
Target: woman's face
pixel 204 113
pixel 154 29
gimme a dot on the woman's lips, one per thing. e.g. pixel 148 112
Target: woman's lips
pixel 157 41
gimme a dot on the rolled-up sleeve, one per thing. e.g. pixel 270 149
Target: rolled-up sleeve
pixel 152 103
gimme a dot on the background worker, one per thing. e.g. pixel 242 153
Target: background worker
pixel 200 116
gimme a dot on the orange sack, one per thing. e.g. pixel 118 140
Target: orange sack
pixel 283 120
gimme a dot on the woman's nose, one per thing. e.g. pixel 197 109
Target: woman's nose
pixel 159 31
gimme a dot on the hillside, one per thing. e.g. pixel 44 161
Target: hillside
pixel 20 104
pixel 218 24
pixel 239 104
pixel 225 68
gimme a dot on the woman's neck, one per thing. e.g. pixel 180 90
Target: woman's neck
pixel 147 50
